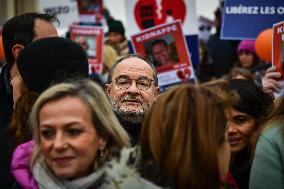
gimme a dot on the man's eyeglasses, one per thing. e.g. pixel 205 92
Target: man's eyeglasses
pixel 124 82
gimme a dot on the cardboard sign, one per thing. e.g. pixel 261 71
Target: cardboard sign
pixel 90 11
pixel 143 14
pixel 243 19
pixel 91 40
pixel 165 46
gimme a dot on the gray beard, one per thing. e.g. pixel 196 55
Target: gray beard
pixel 132 117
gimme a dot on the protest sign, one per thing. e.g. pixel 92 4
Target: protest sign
pixel 91 40
pixel 243 19
pixel 278 47
pixel 66 12
pixel 278 52
pixel 90 11
pixel 143 14
pixel 165 46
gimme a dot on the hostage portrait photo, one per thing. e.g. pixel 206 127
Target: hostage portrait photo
pixel 88 43
pixel 162 51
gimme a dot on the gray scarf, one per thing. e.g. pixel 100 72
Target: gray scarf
pixel 46 180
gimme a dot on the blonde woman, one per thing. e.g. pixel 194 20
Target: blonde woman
pixel 75 131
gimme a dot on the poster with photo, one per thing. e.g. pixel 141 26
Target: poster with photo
pixel 278 47
pixel 278 52
pixel 91 40
pixel 144 14
pixel 90 11
pixel 165 46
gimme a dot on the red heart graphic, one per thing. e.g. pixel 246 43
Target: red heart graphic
pixel 184 74
pixel 148 14
pixel 187 73
pixel 180 75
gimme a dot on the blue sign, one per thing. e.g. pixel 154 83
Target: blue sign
pixel 245 19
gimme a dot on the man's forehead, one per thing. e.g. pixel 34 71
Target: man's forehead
pixel 133 67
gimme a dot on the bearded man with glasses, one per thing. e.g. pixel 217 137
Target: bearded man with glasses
pixel 132 88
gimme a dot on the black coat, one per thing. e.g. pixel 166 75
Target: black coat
pixel 132 129
pixel 240 167
pixel 6 97
pixel 223 54
pixel 7 146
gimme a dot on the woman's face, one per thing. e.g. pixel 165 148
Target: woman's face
pixel 241 127
pixel 16 82
pixel 246 59
pixel 224 155
pixel 68 137
pixel 115 37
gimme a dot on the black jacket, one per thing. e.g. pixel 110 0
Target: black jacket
pixel 132 129
pixel 240 167
pixel 6 97
pixel 7 146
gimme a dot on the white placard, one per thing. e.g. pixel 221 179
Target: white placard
pixel 66 11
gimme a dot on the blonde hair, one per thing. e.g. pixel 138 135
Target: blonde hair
pixel 104 120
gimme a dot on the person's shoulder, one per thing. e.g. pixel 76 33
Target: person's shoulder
pixel 121 172
pixel 22 155
pixel 274 129
pixel 274 133
pixel 127 157
pixel 107 42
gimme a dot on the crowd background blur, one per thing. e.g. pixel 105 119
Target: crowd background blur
pixel 114 23
pixel 217 58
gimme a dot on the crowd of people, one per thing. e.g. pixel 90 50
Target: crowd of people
pixel 60 129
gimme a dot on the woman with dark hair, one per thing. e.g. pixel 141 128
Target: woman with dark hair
pixel 174 153
pixel 246 116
